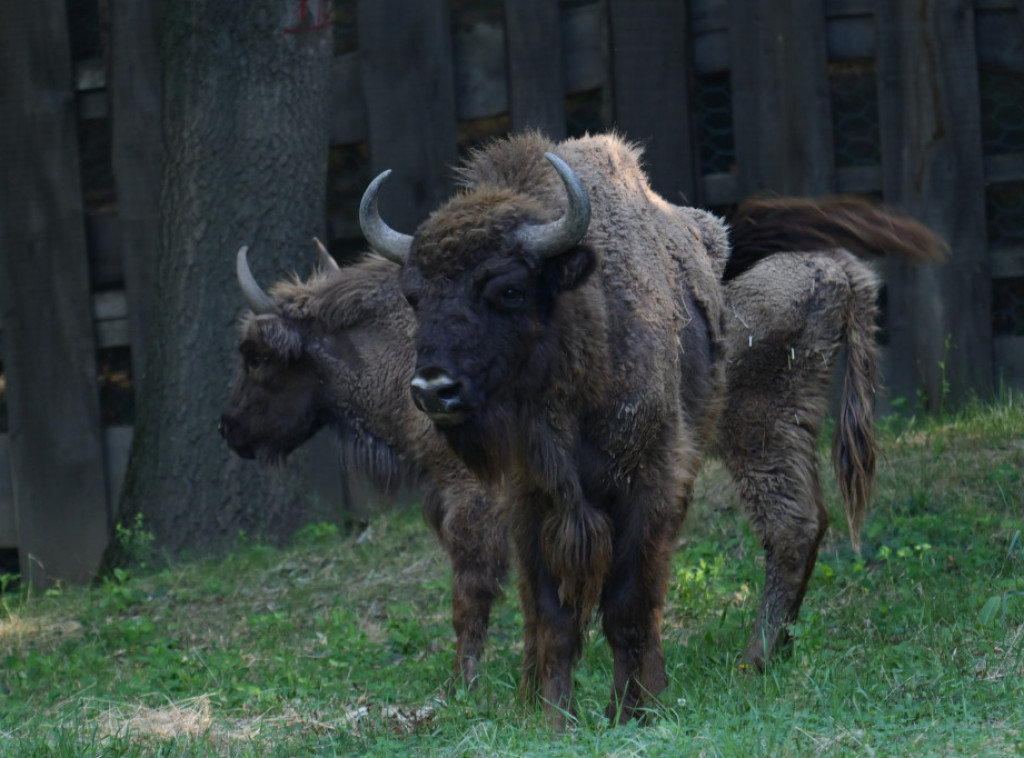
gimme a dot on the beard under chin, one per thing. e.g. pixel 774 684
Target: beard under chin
pixel 270 459
pixel 482 443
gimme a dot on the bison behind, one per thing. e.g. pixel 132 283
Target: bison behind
pixel 338 351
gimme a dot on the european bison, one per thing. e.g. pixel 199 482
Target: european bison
pixel 572 348
pixel 338 351
pixel 787 318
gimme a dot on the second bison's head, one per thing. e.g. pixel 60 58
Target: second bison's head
pixel 277 401
pixel 484 274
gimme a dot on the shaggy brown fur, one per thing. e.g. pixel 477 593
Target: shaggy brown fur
pixel 340 353
pixel 593 397
pixel 788 318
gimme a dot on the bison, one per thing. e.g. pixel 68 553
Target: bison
pixel 337 351
pixel 788 315
pixel 574 346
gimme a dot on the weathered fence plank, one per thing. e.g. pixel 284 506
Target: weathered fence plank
pixel 781 111
pixel 8 525
pixel 406 59
pixel 940 317
pixel 56 448
pixel 137 155
pixel 536 87
pixel 652 89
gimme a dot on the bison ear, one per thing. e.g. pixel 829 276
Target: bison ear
pixel 570 269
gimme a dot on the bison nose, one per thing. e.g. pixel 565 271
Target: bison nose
pixel 229 430
pixel 440 396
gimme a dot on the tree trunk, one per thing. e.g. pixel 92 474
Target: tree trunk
pixel 245 126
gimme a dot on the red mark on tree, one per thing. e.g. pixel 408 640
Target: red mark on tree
pixel 310 21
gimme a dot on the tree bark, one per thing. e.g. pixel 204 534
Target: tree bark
pixel 245 129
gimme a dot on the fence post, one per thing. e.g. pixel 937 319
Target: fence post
pixel 652 91
pixel 940 316
pixel 536 85
pixel 56 446
pixel 136 103
pixel 405 51
pixel 781 110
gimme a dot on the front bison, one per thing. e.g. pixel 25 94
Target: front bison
pixel 570 345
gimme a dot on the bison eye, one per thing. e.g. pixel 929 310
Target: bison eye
pixel 254 360
pixel 513 297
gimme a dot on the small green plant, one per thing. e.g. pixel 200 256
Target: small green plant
pixel 6 580
pixel 135 541
pixel 117 593
pixel 697 586
pixel 317 533
pixel 944 389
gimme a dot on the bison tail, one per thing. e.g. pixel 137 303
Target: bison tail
pixel 764 226
pixel 853 444
pixel 577 545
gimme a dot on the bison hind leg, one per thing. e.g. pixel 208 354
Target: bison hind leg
pixel 791 519
pixel 783 501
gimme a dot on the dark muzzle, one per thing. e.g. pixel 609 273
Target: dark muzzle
pixel 441 397
pixel 230 432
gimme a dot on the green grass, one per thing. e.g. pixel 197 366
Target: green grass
pixel 339 645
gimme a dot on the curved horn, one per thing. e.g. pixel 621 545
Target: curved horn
pixel 327 262
pixel 256 298
pixel 558 236
pixel 391 244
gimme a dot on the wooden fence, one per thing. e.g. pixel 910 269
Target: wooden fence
pixel 923 109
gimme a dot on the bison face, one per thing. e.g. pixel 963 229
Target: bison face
pixel 483 333
pixel 275 403
pixel 484 274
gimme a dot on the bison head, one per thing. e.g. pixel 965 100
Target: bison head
pixel 276 401
pixel 484 274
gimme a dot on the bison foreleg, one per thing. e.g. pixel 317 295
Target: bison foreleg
pixel 631 606
pixel 478 549
pixel 475 587
pixel 552 639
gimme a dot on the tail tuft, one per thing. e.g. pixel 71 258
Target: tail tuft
pixel 853 445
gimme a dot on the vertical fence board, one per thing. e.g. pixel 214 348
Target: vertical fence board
pixel 651 78
pixel 137 155
pixel 781 111
pixel 536 85
pixel 56 448
pixel 932 166
pixel 407 73
pixel 8 526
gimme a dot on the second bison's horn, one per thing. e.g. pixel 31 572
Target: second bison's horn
pixel 558 236
pixel 260 302
pixel 327 262
pixel 382 238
